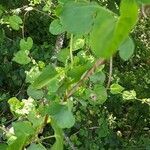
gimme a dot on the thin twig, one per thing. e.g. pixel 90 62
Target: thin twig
pixel 98 63
pixel 71 49
pixel 110 72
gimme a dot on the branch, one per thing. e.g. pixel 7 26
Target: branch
pixel 98 63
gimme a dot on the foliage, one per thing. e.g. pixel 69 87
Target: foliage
pixel 57 94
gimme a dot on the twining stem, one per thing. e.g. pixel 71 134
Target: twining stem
pixel 98 63
pixel 71 49
pixel 110 72
pixel 48 137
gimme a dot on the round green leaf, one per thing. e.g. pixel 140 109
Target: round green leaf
pixel 15 22
pixel 116 88
pixel 78 17
pixel 56 27
pixel 126 49
pixel 98 95
pixel 98 77
pixel 62 115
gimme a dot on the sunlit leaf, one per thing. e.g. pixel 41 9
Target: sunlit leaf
pixel 78 43
pixel 116 88
pixel 15 22
pixel 129 95
pixel 22 57
pixel 26 45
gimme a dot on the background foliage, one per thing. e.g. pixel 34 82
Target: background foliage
pixel 35 73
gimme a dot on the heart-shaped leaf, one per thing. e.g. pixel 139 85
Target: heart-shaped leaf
pixel 26 45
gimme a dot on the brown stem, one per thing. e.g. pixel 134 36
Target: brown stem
pixel 98 63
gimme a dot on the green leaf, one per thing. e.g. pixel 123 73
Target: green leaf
pixel 101 35
pixel 100 93
pixel 18 144
pixel 78 43
pixel 107 34
pixel 36 147
pixel 53 85
pixel 125 23
pixel 15 104
pixel 126 49
pixel 98 77
pixel 78 17
pixel 56 27
pixel 36 119
pixel 22 57
pixel 103 131
pixel 58 145
pixel 26 45
pixel 45 77
pixel 32 74
pixel 23 128
pixel 129 95
pixel 62 115
pixel 15 22
pixel 34 93
pixel 76 72
pixel 63 55
pixel 116 88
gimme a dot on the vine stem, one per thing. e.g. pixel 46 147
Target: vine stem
pixel 23 26
pixel 110 72
pixel 98 63
pixel 48 137
pixel 71 49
